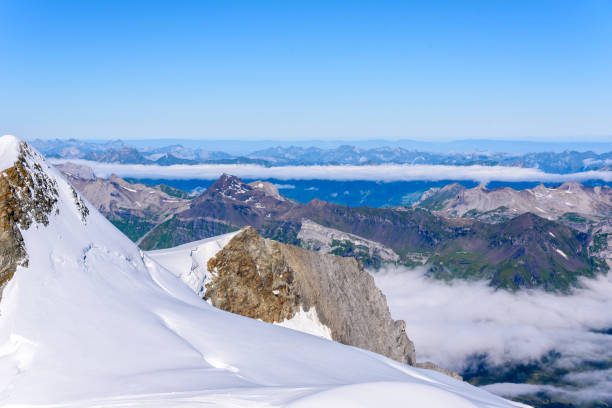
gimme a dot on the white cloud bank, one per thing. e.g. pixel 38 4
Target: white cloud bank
pixel 449 322
pixel 384 172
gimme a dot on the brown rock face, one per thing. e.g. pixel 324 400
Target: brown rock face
pixel 27 195
pixel 267 280
pixel 251 278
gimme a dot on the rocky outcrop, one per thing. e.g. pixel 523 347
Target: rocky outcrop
pixel 316 237
pixel 600 244
pixel 267 280
pixel 27 195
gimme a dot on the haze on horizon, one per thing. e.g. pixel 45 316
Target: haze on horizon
pixel 236 70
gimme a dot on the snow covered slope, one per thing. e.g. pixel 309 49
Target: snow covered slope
pixel 188 261
pixel 91 323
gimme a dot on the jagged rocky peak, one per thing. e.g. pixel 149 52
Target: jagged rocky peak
pixel 28 196
pixel 259 195
pixel 277 283
pixel 228 186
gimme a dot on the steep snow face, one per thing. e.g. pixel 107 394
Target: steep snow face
pixel 91 322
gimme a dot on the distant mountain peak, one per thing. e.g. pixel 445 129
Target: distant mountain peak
pixel 315 202
pixel 228 186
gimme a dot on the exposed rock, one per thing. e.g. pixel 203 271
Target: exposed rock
pixel 267 280
pixel 27 195
pixel 12 253
pixel 316 237
pixel 80 203
pixel 601 241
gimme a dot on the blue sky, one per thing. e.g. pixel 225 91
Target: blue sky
pixel 436 70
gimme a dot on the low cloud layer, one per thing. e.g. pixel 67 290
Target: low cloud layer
pixel 384 172
pixel 449 322
pixel 598 388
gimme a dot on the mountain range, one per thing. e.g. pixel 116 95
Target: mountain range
pixel 526 251
pixel 566 161
pixel 570 202
pixel 583 208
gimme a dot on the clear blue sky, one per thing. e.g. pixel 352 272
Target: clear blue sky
pixel 424 70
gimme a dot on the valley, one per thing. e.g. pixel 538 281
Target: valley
pixel 523 252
